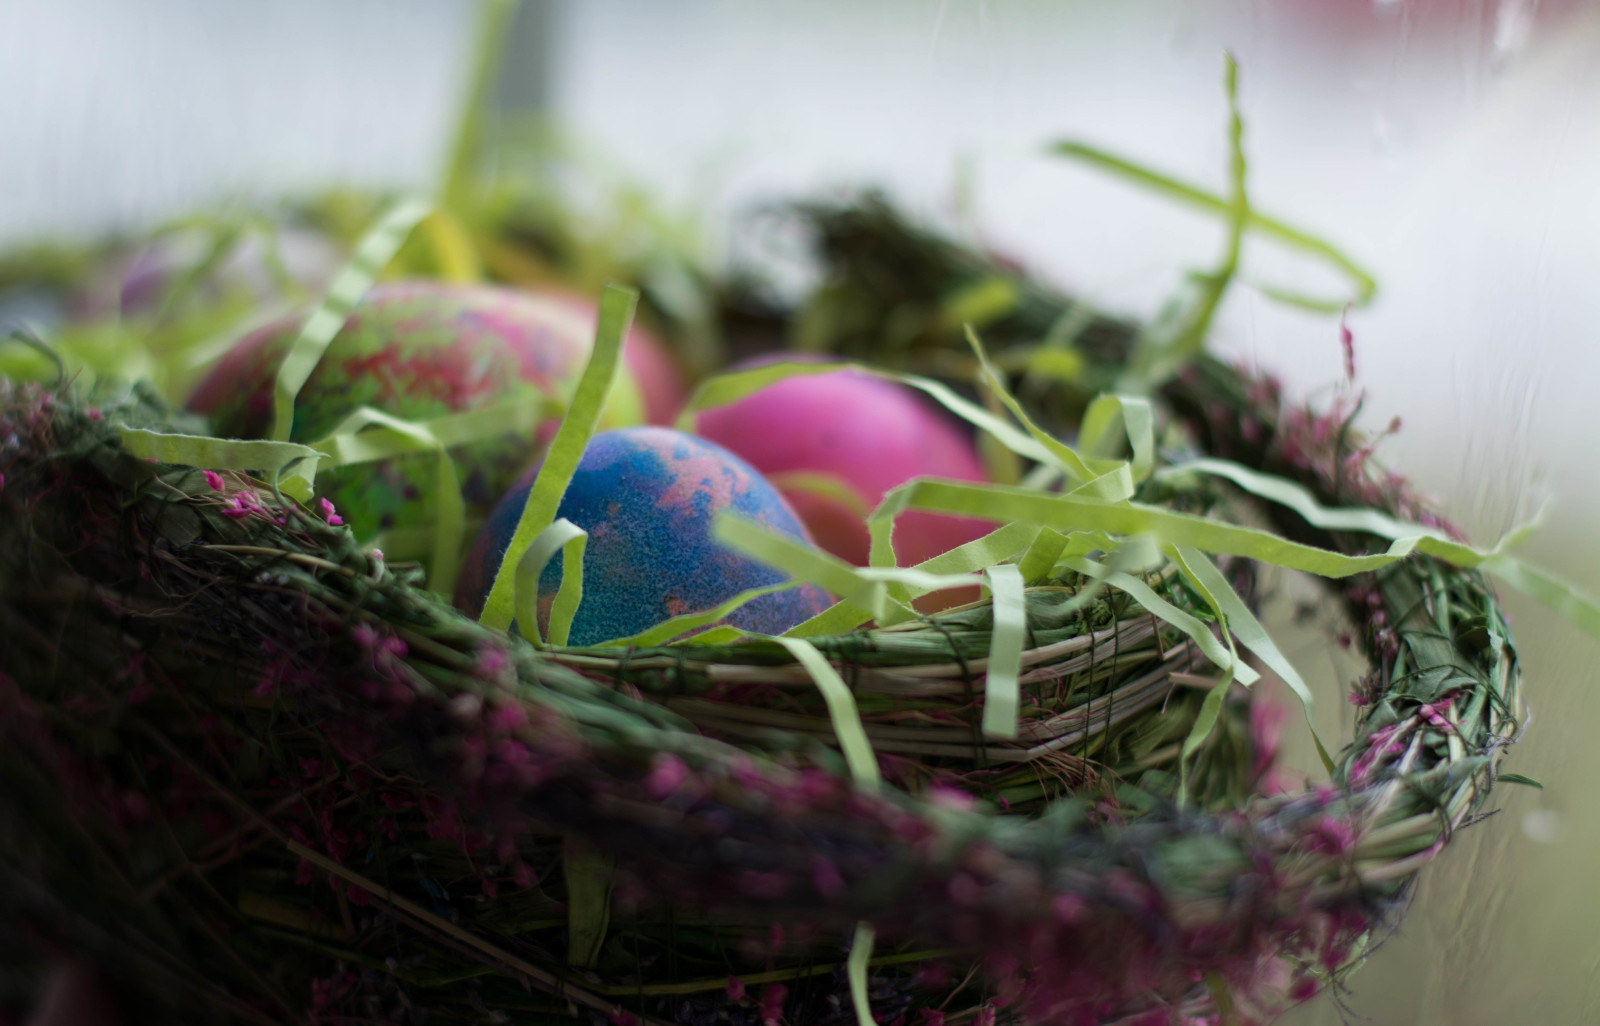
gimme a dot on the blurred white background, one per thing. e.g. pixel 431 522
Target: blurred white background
pixel 1452 146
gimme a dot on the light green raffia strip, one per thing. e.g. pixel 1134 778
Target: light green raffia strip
pixel 352 282
pixel 1100 477
pixel 293 465
pixel 367 430
pixel 982 302
pixel 1209 202
pixel 997 546
pixel 1211 707
pixel 1001 690
pixel 1559 596
pixel 416 543
pixel 570 540
pixel 485 59
pixel 1040 559
pixel 856 971
pixel 1160 608
pixel 667 630
pixel 1097 433
pixel 873 590
pixel 1294 496
pixel 1154 362
pixel 1062 455
pixel 823 486
pixel 1247 631
pixel 450 430
pixel 1065 513
pixel 842 711
pixel 726 634
pixel 1205 720
pixel 561 461
pixel 453 249
pixel 1104 480
pixel 1297 497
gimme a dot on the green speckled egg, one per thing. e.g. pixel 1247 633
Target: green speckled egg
pixel 416 350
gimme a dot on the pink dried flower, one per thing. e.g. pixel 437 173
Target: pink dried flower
pixel 773 996
pixel 504 719
pixel 667 774
pixel 1432 715
pixel 622 1017
pixel 735 989
pixel 931 1017
pixel 1068 908
pixel 327 991
pixel 214 479
pixel 964 891
pixel 984 1016
pixel 241 504
pixel 329 514
pixel 1332 836
pixel 1266 735
pixel 826 879
pixel 491 663
pixel 94 413
pixel 942 794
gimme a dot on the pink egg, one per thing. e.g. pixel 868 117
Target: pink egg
pixel 869 434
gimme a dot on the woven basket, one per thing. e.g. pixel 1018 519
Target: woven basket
pixel 255 772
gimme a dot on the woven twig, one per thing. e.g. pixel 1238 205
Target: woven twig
pixel 272 757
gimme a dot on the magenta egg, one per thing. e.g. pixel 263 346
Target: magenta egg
pixel 869 434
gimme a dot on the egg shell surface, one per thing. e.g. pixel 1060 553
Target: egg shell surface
pixel 648 497
pixel 415 350
pixel 870 434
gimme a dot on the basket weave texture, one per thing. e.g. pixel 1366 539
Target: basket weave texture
pixel 259 774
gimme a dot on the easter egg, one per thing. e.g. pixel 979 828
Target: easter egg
pixel 415 350
pixel 648 497
pixel 867 434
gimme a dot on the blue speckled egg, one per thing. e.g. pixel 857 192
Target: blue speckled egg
pixel 648 497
